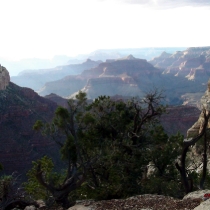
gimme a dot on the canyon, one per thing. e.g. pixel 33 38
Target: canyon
pixel 21 107
pixel 182 76
pixel 126 77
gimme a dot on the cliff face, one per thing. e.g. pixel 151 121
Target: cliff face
pixel 188 72
pixel 129 65
pixel 64 87
pixel 4 78
pixel 205 103
pixel 20 144
pixel 185 63
pixel 179 118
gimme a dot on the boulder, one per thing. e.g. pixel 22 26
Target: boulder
pixel 204 205
pixel 41 204
pixel 30 208
pixel 197 194
pixel 205 103
pixel 81 207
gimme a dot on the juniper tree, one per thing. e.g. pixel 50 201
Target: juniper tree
pixel 105 144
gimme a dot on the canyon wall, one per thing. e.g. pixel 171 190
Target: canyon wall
pixel 20 108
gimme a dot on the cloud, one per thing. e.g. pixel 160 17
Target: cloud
pixel 168 3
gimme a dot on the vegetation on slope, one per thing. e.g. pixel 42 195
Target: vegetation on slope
pixel 112 149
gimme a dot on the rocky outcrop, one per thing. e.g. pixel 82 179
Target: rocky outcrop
pixel 4 78
pixel 205 103
pixel 200 194
pixel 204 205
pixel 197 194
pixel 144 202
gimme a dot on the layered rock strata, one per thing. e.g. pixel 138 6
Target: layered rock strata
pixel 179 119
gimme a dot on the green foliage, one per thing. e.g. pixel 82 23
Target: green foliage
pixel 69 150
pixel 111 143
pixel 38 125
pixel 5 186
pixel 162 146
pixel 163 152
pixel 119 133
pixel 33 187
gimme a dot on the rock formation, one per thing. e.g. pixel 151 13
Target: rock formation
pixel 205 104
pixel 4 78
pixel 185 63
pixel 143 202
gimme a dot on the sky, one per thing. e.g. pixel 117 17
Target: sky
pixel 45 28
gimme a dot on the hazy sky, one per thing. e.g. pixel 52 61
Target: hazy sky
pixel 44 28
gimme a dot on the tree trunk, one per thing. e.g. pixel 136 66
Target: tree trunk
pixel 61 193
pixel 186 144
pixel 203 178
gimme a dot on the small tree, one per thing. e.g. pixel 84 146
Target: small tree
pixel 121 128
pixel 104 143
pixel 33 186
pixel 64 131
pixel 162 152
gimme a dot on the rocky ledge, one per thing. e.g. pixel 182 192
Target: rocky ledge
pixel 195 200
pixel 140 202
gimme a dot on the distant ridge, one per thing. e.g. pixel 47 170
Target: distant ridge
pixel 36 79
